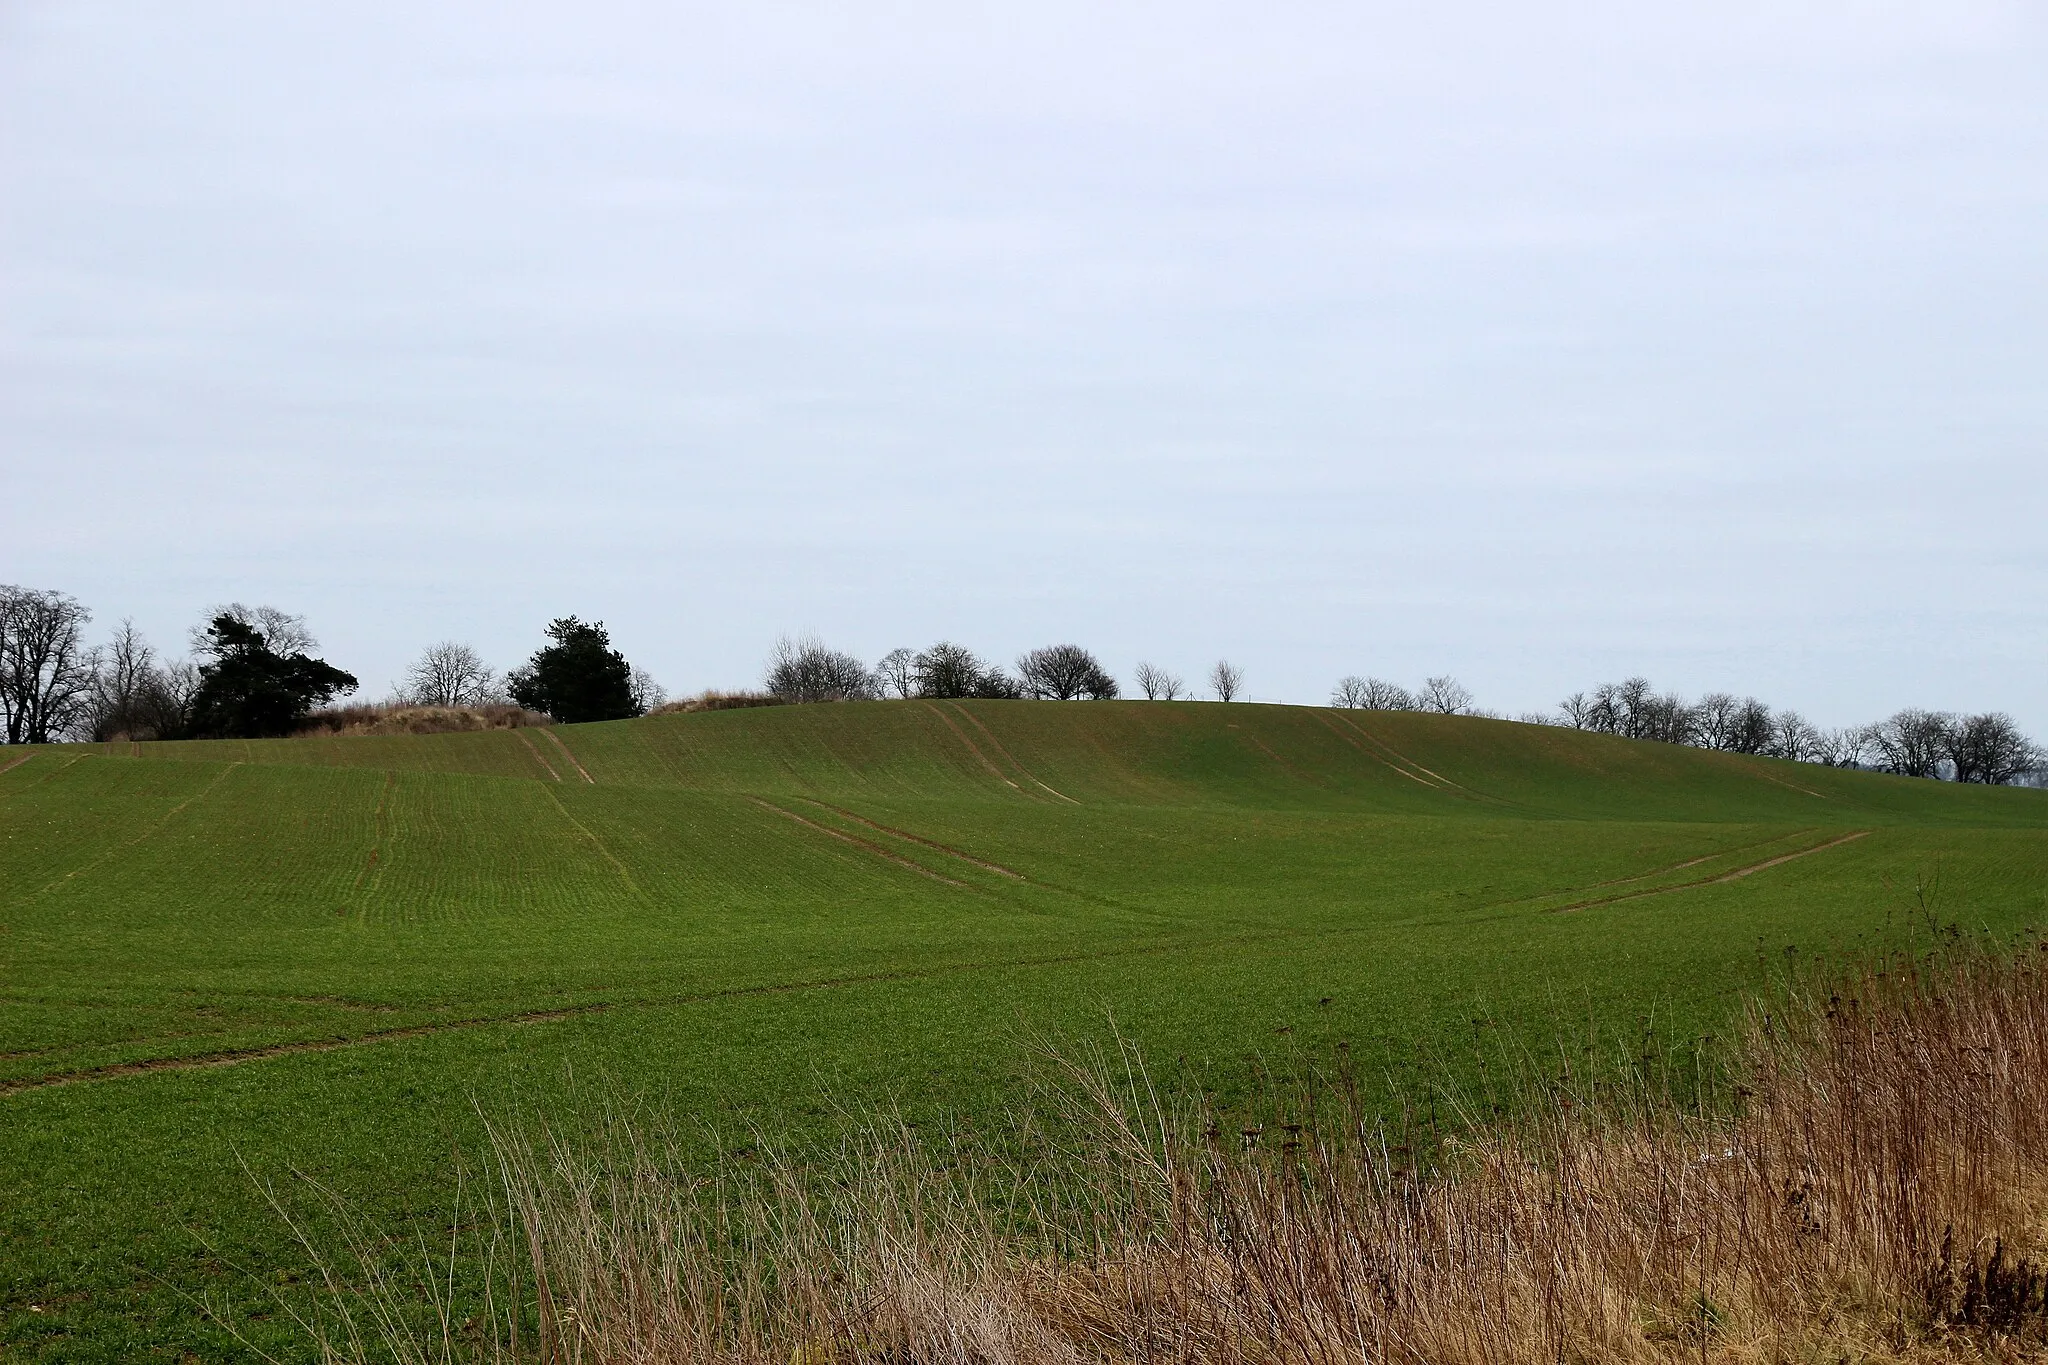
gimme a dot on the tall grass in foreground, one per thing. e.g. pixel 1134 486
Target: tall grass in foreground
pixel 1879 1191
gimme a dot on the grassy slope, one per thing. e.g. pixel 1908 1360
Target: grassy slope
pixel 1212 874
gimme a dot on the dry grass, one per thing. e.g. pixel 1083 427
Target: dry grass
pixel 1876 1194
pixel 718 701
pixel 404 718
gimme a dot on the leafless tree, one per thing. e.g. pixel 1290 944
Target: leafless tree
pixel 45 674
pixel 950 670
pixel 1715 714
pixel 896 674
pixel 1842 748
pixel 1541 718
pixel 1157 684
pixel 1990 748
pixel 1443 694
pixel 1914 743
pixel 646 692
pixel 1381 695
pixel 1577 710
pixel 128 689
pixel 1349 693
pixel 1226 680
pixel 1751 729
pixel 1793 738
pixel 451 674
pixel 1065 673
pixel 177 686
pixel 804 670
pixel 283 632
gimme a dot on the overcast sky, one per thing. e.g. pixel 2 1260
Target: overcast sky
pixel 1536 344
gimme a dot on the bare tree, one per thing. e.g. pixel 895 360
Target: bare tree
pixel 45 673
pixel 1716 715
pixel 1793 738
pixel 1751 729
pixel 1157 684
pixel 1349 693
pixel 451 674
pixel 1842 748
pixel 804 670
pixel 1065 673
pixel 1990 748
pixel 1577 710
pixel 1443 694
pixel 283 632
pixel 1914 743
pixel 896 674
pixel 1381 695
pixel 1226 680
pixel 127 688
pixel 948 670
pixel 178 685
pixel 647 693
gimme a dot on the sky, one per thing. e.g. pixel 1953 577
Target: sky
pixel 1538 345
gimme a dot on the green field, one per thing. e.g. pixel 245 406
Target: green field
pixel 327 954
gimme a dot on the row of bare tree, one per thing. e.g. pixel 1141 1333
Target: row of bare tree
pixel 1987 747
pixel 806 670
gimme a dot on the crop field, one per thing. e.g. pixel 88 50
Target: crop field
pixel 221 962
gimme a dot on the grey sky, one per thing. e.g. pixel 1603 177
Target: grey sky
pixel 1536 344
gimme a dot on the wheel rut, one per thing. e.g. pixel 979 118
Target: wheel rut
pixel 1719 879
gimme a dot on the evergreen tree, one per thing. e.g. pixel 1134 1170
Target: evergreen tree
pixel 249 691
pixel 577 678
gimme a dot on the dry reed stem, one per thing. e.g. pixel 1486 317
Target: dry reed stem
pixel 1878 1195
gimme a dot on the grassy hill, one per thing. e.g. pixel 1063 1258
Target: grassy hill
pixel 328 953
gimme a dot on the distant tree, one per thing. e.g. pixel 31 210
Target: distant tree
pixel 579 677
pixel 1378 694
pixel 1793 738
pixel 450 674
pixel 1349 693
pixel 249 690
pixel 130 696
pixel 896 674
pixel 647 693
pixel 1715 715
pixel 1226 680
pixel 1752 728
pixel 283 632
pixel 1990 748
pixel 1914 743
pixel 45 670
pixel 1443 694
pixel 1064 673
pixel 1842 748
pixel 996 685
pixel 804 670
pixel 1157 684
pixel 1541 718
pixel 1577 711
pixel 948 670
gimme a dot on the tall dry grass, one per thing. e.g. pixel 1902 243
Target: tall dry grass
pixel 1877 1193
pixel 406 718
pixel 714 700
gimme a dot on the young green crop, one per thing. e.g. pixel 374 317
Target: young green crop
pixel 328 954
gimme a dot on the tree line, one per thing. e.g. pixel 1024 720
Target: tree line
pixel 1987 747
pixel 806 670
pixel 251 672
